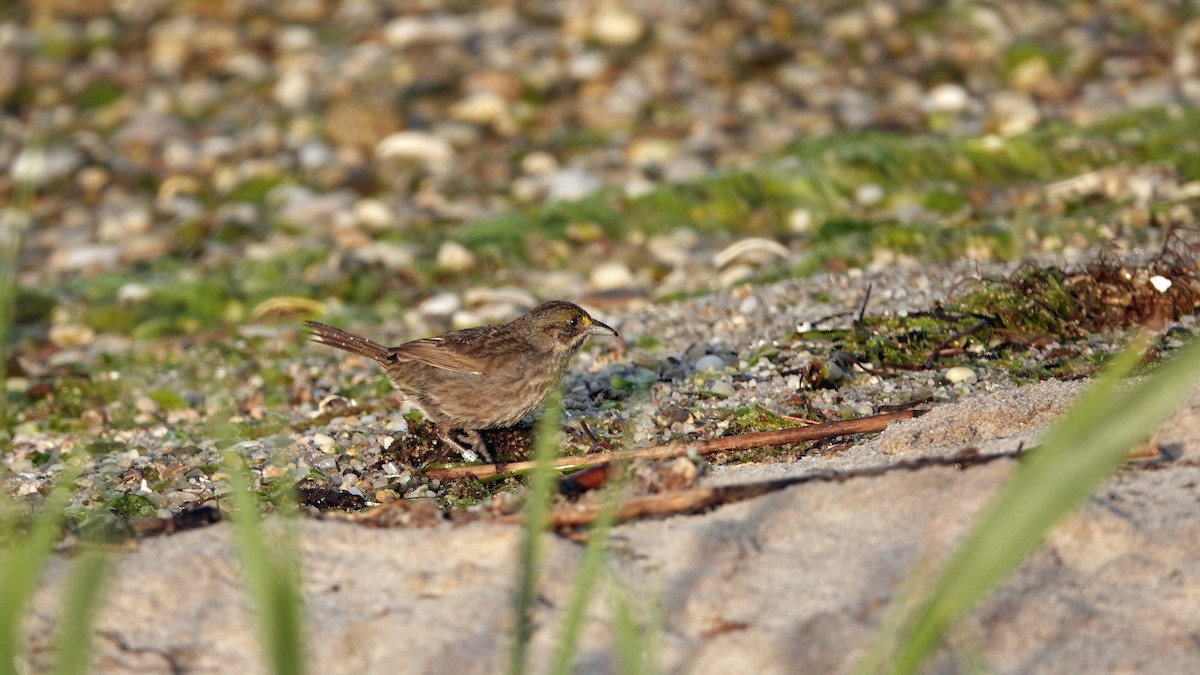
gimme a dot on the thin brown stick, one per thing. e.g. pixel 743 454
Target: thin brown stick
pixel 862 308
pixel 757 439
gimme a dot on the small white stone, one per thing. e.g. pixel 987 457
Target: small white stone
pixel 442 304
pixel 441 28
pixel 391 255
pixel 587 65
pixel 571 184
pixel 39 166
pixel 709 362
pixel 862 409
pixel 611 275
pixel 454 257
pixel 323 441
pixel 465 319
pixel 293 90
pixel 800 220
pixel 315 154
pixel 617 27
pixel 373 214
pixel 722 388
pixel 427 150
pixel 539 163
pixel 483 108
pixel 868 194
pixel 132 293
pixel 961 374
pixel 947 98
pixel 1160 283
pixel 651 151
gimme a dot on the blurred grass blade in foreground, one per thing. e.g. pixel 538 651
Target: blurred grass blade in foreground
pixel 84 589
pixel 23 556
pixel 537 514
pixel 590 568
pixel 1083 449
pixel 272 571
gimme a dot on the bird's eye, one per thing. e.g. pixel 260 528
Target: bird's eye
pixel 574 321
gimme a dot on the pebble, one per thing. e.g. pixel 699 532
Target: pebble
pixel 614 26
pixel 85 258
pixel 800 221
pixel 426 150
pixel 571 184
pixel 611 275
pixel 315 154
pixel 961 375
pixel 40 166
pixel 454 257
pixel 405 31
pixel 722 388
pixel 587 65
pixel 440 305
pixel 947 98
pixel 648 152
pixel 539 163
pixel 485 108
pixel 391 255
pixel 862 409
pixel 869 194
pixel 465 319
pixel 710 362
pixel 133 293
pixel 303 208
pixel 374 215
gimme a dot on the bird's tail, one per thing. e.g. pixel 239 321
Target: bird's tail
pixel 340 339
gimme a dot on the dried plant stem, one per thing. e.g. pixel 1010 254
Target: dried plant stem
pixel 758 439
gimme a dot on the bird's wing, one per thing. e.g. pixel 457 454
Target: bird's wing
pixel 432 352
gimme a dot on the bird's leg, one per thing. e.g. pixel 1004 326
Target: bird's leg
pixel 476 447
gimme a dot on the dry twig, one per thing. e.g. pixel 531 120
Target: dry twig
pixel 758 439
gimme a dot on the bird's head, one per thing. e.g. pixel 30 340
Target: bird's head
pixel 566 325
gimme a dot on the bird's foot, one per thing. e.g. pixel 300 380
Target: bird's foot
pixel 475 448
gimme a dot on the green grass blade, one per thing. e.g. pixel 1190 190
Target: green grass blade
pixel 537 513
pixel 633 643
pixel 590 567
pixel 15 219
pixel 272 574
pixel 82 598
pixel 21 563
pixel 1085 447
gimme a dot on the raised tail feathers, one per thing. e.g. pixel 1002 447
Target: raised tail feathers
pixel 340 339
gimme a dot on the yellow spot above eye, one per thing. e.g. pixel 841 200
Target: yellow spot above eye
pixel 586 320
